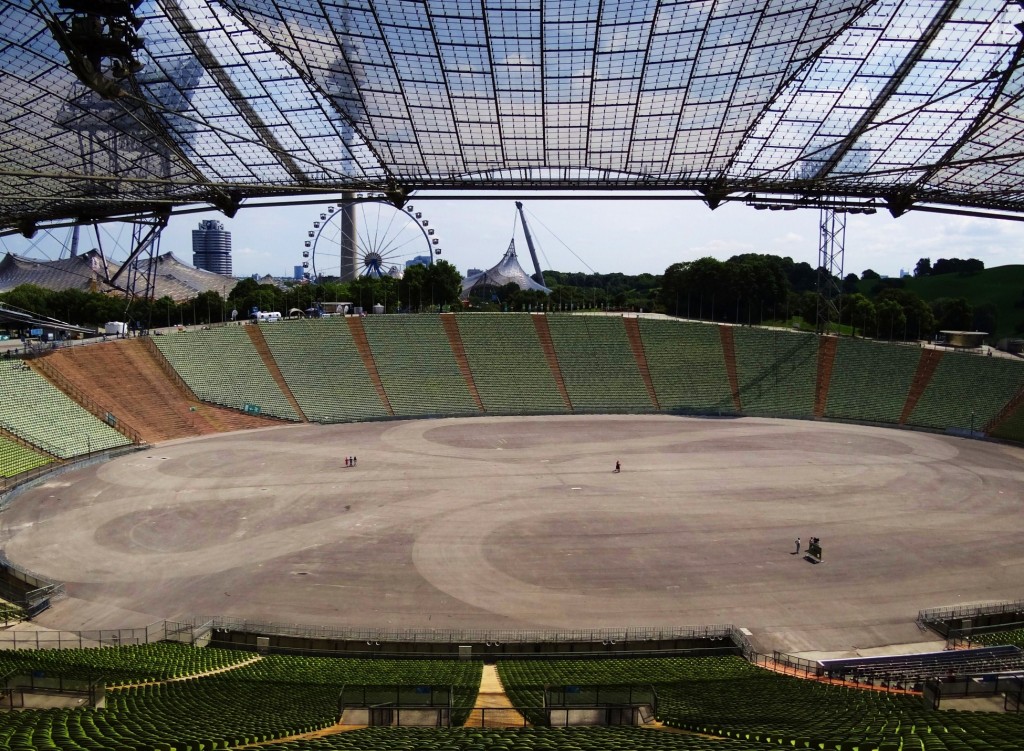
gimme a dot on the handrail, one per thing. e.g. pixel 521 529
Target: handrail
pixel 86 402
pixel 33 443
pixel 168 369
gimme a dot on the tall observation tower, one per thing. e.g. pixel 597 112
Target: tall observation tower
pixel 211 247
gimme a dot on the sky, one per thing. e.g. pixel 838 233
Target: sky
pixel 628 236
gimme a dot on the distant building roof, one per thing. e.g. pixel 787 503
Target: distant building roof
pixel 83 272
pixel 506 271
pixel 173 278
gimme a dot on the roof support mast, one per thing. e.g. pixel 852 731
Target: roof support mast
pixel 538 275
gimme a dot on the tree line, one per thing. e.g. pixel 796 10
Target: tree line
pixel 753 289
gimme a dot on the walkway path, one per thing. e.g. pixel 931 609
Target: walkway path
pixel 498 710
pixel 190 676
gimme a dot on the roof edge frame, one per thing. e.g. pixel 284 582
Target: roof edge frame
pixel 192 38
pixel 393 180
pixel 593 80
pixel 310 81
pixel 686 98
pixel 494 85
pixel 658 6
pixel 979 121
pixel 791 78
pixel 913 57
pixel 447 87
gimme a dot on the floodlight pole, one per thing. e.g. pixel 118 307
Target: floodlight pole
pixel 831 248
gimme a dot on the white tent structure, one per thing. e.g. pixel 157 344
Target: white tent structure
pixel 506 271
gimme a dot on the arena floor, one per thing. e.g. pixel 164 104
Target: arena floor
pixel 520 523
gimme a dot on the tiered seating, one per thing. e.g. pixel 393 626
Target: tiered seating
pixel 222 366
pixel 870 380
pixel 520 739
pixel 916 668
pixel 524 680
pixel 462 677
pixel 1012 428
pixel 417 367
pixel 687 365
pixel 1013 636
pixel 598 367
pixel 737 700
pixel 509 368
pixel 967 390
pixel 130 664
pixel 276 697
pixel 324 371
pixel 38 412
pixel 15 458
pixel 776 371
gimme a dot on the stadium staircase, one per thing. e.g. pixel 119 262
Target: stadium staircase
pixel 1006 413
pixel 729 352
pixel 827 346
pixel 451 329
pixel 540 322
pixel 930 359
pixel 14 438
pixel 85 396
pixel 131 377
pixel 18 456
pixel 637 345
pixel 275 372
pixel 355 326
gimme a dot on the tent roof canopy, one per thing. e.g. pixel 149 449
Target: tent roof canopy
pixel 903 104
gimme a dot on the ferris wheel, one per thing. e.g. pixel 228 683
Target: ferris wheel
pixel 368 236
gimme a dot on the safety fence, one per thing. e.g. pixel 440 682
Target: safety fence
pixel 11 487
pixel 798 667
pixel 496 717
pixel 1009 688
pixel 372 636
pixel 968 638
pixel 965 619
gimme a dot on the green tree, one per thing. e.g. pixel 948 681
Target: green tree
pixel 923 267
pixel 952 314
pixel 918 317
pixel 859 312
pixel 890 320
pixel 445 283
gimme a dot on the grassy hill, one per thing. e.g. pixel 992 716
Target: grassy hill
pixel 1003 286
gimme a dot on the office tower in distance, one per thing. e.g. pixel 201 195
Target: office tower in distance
pixel 211 247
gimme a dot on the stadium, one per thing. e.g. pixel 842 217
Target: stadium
pixel 515 530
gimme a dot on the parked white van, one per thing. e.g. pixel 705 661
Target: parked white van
pixel 265 317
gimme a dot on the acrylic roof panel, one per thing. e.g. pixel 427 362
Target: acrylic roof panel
pixel 244 98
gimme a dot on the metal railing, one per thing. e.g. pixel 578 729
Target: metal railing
pixel 608 636
pixel 951 612
pixel 88 403
pixel 1011 688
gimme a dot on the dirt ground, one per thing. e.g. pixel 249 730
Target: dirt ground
pixel 520 523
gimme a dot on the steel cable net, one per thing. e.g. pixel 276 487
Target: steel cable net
pixel 906 101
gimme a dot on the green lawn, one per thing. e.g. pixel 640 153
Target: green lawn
pixel 1001 285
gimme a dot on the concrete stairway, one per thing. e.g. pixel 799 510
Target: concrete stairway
pixel 1004 414
pixel 493 708
pixel 126 378
pixel 355 326
pixel 827 347
pixel 636 344
pixel 451 329
pixel 540 323
pixel 729 353
pixel 275 372
pixel 930 359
